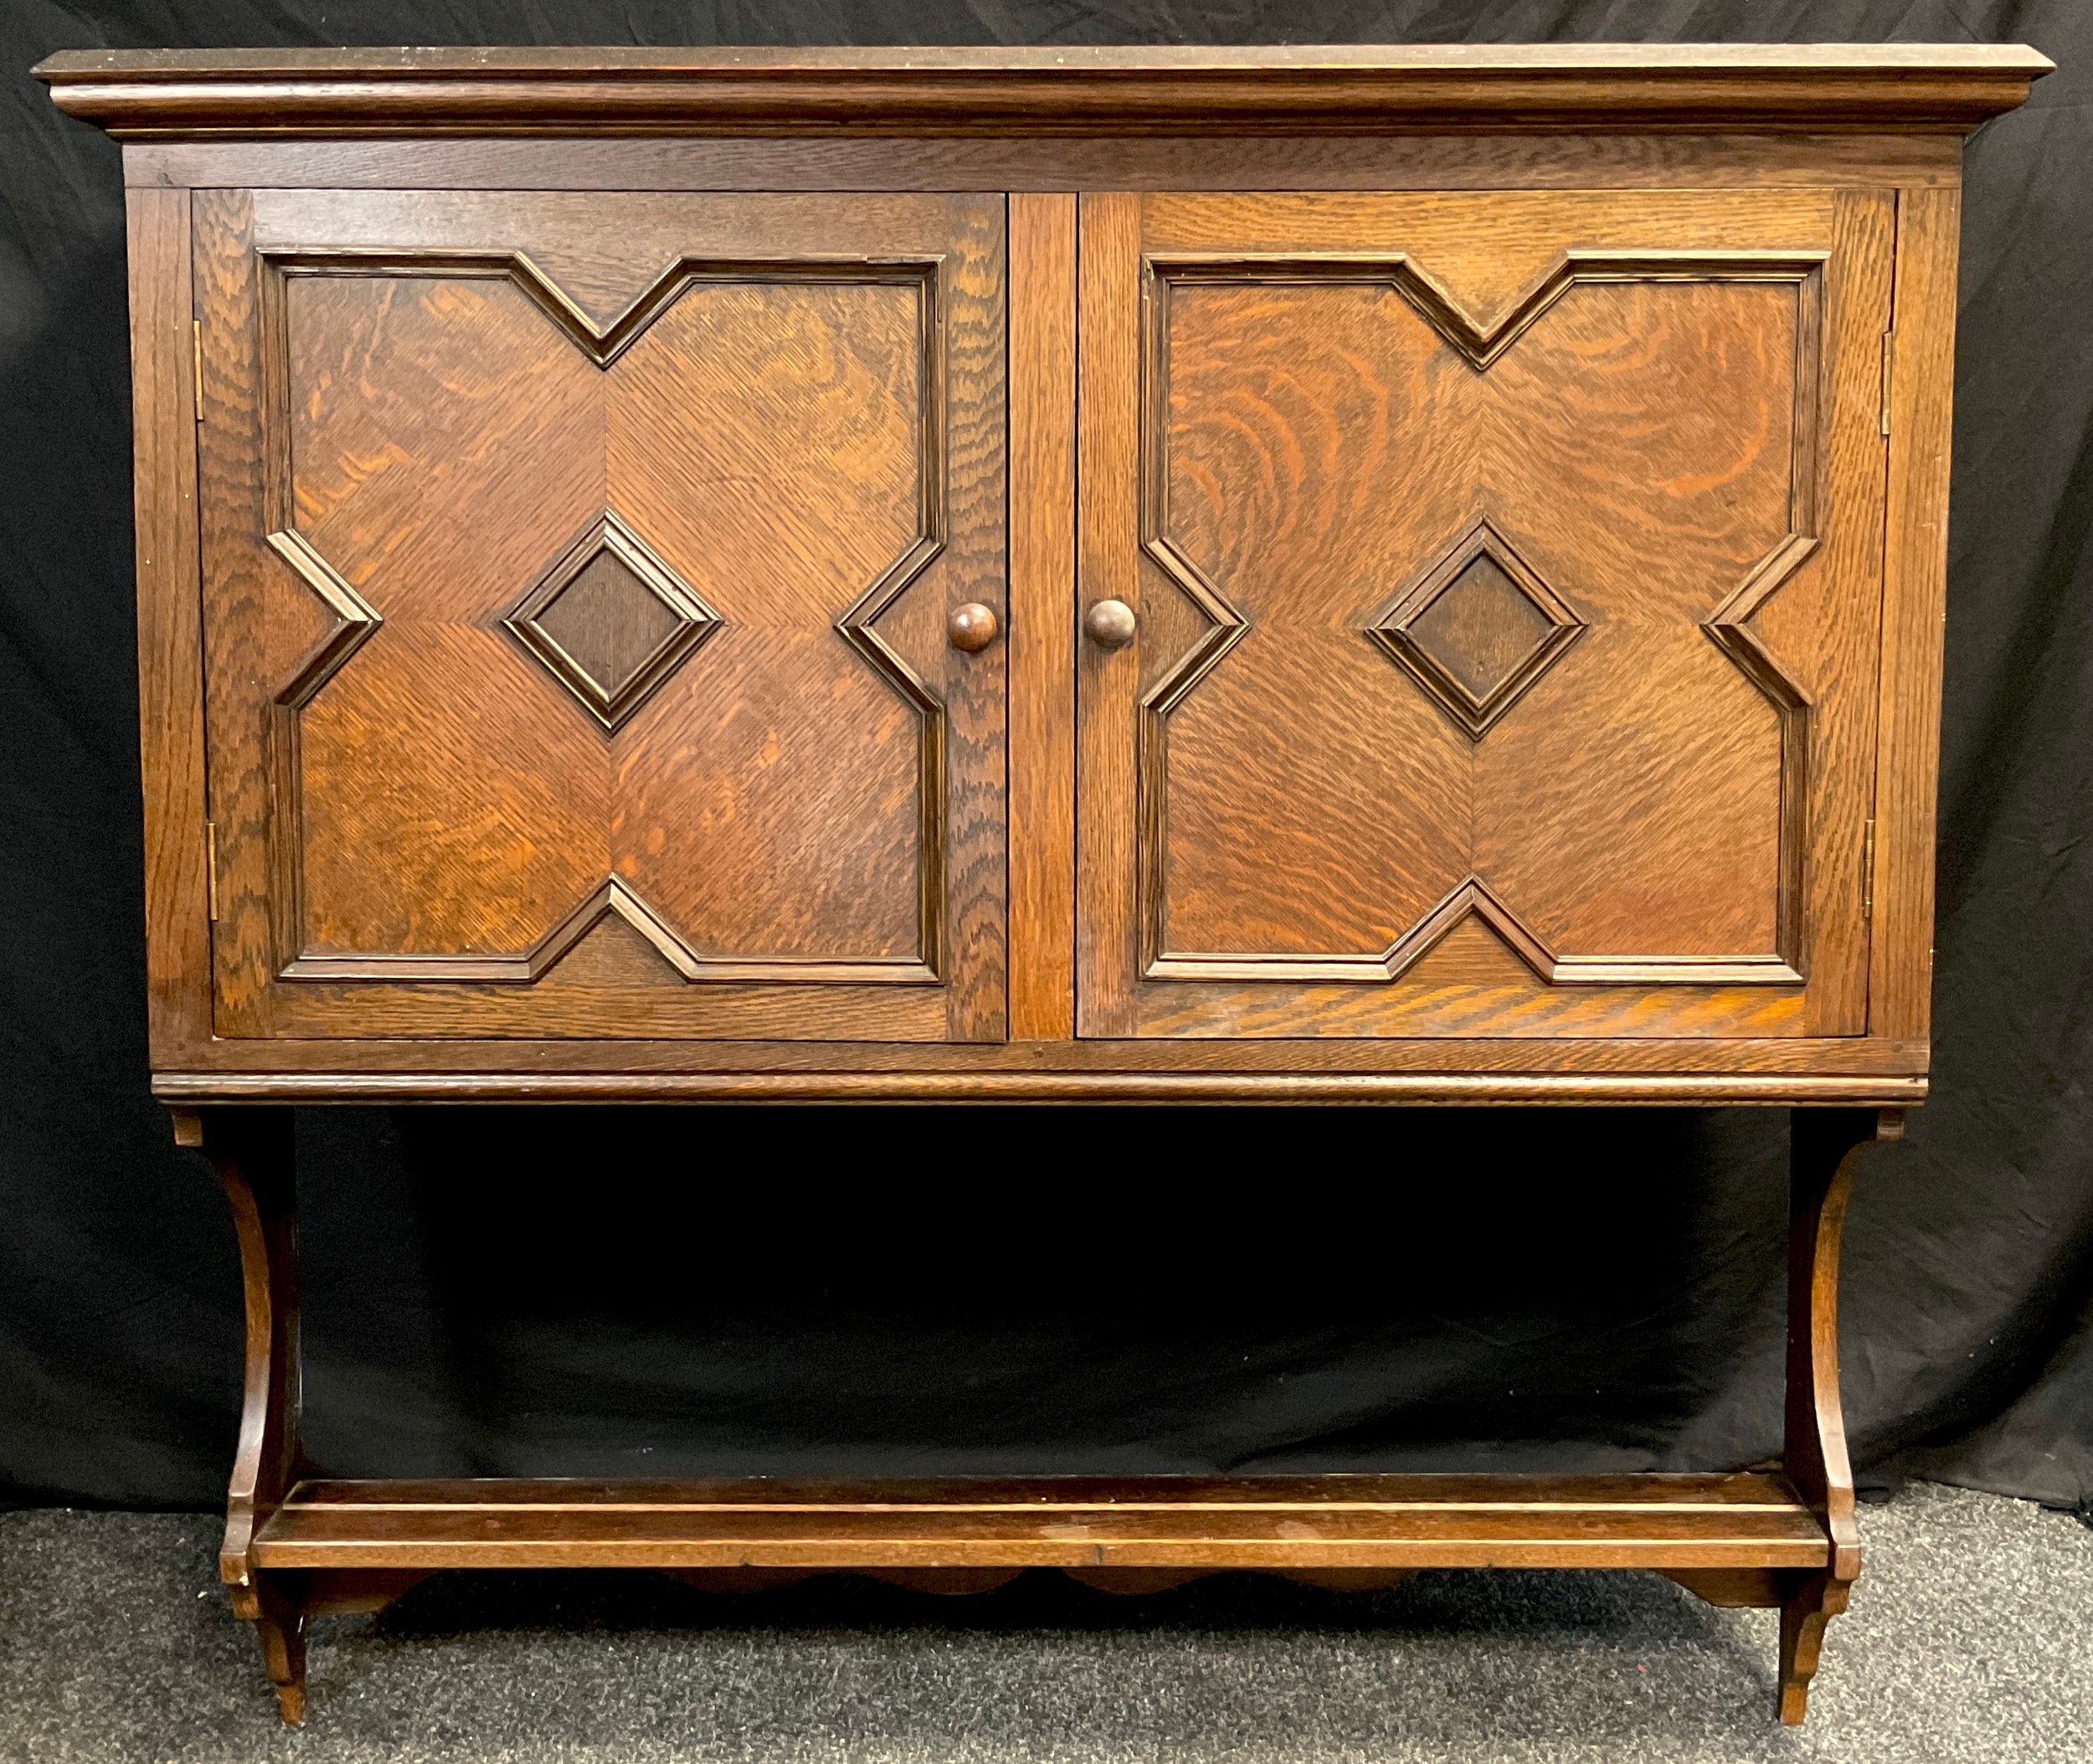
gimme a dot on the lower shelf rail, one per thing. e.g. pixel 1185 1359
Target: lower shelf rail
pixel 1744 1520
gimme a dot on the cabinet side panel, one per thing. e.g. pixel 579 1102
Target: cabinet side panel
pixel 170 679
pixel 1915 598
pixel 1042 392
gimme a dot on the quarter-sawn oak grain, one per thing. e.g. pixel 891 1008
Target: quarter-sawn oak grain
pixel 794 423
pixel 620 539
pixel 1352 384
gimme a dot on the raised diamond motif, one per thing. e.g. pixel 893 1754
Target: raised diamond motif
pixel 1477 629
pixel 609 620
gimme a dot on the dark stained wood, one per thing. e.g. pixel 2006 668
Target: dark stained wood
pixel 415 807
pixel 1915 609
pixel 1041 1086
pixel 1478 628
pixel 1348 395
pixel 975 569
pixel 170 698
pixel 637 527
pixel 1328 88
pixel 1108 369
pixel 1062 163
pixel 1735 1588
pixel 1170 1522
pixel 252 1151
pixel 972 627
pixel 1828 1146
pixel 1694 1489
pixel 279 1614
pixel 352 1590
pixel 1835 1057
pixel 1042 468
pixel 610 621
pixel 589 987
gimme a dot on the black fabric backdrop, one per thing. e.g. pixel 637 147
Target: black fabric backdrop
pixel 836 1290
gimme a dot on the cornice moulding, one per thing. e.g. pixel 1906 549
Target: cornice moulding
pixel 1352 90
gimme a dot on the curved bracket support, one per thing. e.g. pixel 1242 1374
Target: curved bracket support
pixel 252 1151
pixel 1825 1150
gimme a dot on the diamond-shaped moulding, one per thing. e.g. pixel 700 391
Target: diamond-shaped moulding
pixel 1477 628
pixel 609 620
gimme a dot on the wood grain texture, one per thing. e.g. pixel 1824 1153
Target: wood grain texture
pixel 1369 88
pixel 427 812
pixel 1334 1521
pixel 1732 1588
pixel 1830 652
pixel 1051 163
pixel 1640 817
pixel 1827 1148
pixel 1042 753
pixel 1833 1057
pixel 1915 609
pixel 604 539
pixel 610 620
pixel 1109 515
pixel 298 1546
pixel 1296 1085
pixel 975 569
pixel 252 1151
pixel 1477 629
pixel 1720 1492
pixel 169 639
pixel 1477 976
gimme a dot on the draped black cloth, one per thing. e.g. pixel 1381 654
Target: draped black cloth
pixel 848 1291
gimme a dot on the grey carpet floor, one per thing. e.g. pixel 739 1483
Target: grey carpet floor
pixel 1970 1637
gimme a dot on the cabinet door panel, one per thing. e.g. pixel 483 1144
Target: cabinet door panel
pixel 576 571
pixel 1508 575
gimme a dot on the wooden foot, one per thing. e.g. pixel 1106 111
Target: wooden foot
pixel 1825 1150
pixel 1803 1621
pixel 279 1626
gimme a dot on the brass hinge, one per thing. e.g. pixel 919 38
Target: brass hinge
pixel 210 864
pixel 1888 373
pixel 1868 869
pixel 195 361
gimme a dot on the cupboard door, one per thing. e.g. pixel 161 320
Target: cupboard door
pixel 577 575
pixel 1504 571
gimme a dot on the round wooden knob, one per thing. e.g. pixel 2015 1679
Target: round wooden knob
pixel 1110 623
pixel 971 627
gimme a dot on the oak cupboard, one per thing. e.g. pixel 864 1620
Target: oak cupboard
pixel 1325 573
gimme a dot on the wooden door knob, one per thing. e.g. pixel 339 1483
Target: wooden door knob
pixel 1110 623
pixel 971 627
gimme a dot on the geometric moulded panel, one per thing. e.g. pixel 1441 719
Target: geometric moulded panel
pixel 1477 629
pixel 609 620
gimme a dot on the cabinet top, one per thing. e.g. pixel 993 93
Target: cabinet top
pixel 1346 88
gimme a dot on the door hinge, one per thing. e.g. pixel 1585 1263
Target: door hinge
pixel 210 867
pixel 196 363
pixel 1868 871
pixel 1888 373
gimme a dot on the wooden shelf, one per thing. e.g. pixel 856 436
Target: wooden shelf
pixel 1651 1521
